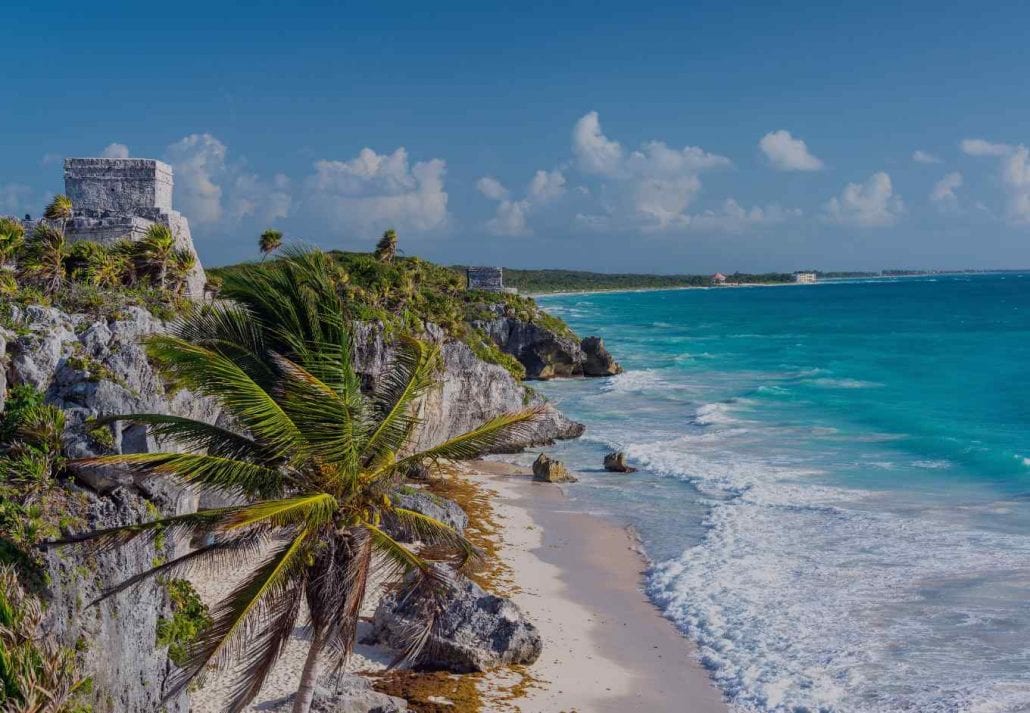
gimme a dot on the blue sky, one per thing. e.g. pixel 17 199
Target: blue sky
pixel 679 137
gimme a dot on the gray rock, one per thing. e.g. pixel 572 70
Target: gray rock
pixel 548 470
pixel 5 338
pixel 616 463
pixel 547 354
pixel 469 391
pixel 598 361
pixel 117 637
pixel 477 631
pixel 345 694
pixel 446 511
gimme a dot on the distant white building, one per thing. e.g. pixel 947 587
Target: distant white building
pixel 805 278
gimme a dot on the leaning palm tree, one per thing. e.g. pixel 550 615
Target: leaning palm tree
pixel 270 241
pixel 59 211
pixel 313 458
pixel 155 252
pixel 386 248
pixel 182 262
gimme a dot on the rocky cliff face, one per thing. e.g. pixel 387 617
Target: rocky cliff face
pixel 469 392
pixel 97 367
pixel 545 353
pixel 93 368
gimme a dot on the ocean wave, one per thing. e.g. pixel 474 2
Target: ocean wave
pixel 845 383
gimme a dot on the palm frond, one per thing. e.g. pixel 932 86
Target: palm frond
pixel 177 525
pixel 233 332
pixel 431 531
pixel 197 436
pixel 240 613
pixel 408 376
pixel 495 432
pixel 207 472
pixel 336 591
pixel 311 510
pixel 211 374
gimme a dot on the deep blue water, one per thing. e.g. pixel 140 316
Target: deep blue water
pixel 834 485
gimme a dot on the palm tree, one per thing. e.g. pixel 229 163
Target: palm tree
pixel 59 210
pixel 12 237
pixel 182 263
pixel 155 252
pixel 314 458
pixel 386 248
pixel 271 240
pixel 43 260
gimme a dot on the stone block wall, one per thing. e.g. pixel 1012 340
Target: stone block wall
pixel 133 186
pixel 485 278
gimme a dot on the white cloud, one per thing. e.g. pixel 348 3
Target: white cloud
pixel 597 154
pixel 944 190
pixel 786 153
pixel 15 199
pixel 115 150
pixel 198 161
pixel 733 217
pixel 920 156
pixel 979 147
pixel 492 188
pixel 373 191
pixel 1014 174
pixel 546 186
pixel 211 190
pixel 650 188
pixel 512 216
pixel 510 219
pixel 869 204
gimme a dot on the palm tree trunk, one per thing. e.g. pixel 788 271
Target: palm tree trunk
pixel 306 689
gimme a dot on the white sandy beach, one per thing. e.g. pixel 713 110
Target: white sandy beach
pixel 577 577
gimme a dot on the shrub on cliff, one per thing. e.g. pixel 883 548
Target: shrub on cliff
pixel 314 458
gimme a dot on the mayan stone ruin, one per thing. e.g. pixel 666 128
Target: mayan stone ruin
pixel 119 198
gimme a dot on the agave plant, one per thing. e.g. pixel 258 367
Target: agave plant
pixel 43 260
pixel 270 241
pixel 314 459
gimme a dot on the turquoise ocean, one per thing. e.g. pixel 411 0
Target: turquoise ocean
pixel 834 485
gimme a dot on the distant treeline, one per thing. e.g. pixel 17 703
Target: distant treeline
pixel 538 281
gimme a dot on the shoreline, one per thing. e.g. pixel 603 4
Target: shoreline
pixel 577 576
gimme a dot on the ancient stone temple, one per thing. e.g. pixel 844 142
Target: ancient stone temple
pixel 490 279
pixel 119 198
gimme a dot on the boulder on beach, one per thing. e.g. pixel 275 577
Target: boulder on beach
pixel 446 511
pixel 477 631
pixel 549 470
pixel 616 463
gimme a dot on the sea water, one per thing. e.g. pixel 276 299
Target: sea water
pixel 834 485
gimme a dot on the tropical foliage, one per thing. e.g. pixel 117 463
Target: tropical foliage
pixel 37 675
pixel 270 241
pixel 313 458
pixel 44 267
pixel 386 248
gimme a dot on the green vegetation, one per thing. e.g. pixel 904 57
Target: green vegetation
pixel 36 673
pixel 190 616
pixel 543 281
pixel 270 241
pixel 404 293
pixel 315 458
pixel 44 268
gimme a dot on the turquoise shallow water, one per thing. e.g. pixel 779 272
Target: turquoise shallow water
pixel 834 486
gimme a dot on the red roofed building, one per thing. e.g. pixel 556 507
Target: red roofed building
pixel 718 278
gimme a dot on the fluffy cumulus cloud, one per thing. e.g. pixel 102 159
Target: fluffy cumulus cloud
pixel 650 188
pixel 733 217
pixel 869 204
pixel 944 190
pixel 115 150
pixel 596 153
pixel 511 217
pixel 785 153
pixel 920 156
pixel 372 192
pixel 1014 168
pixel 212 190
